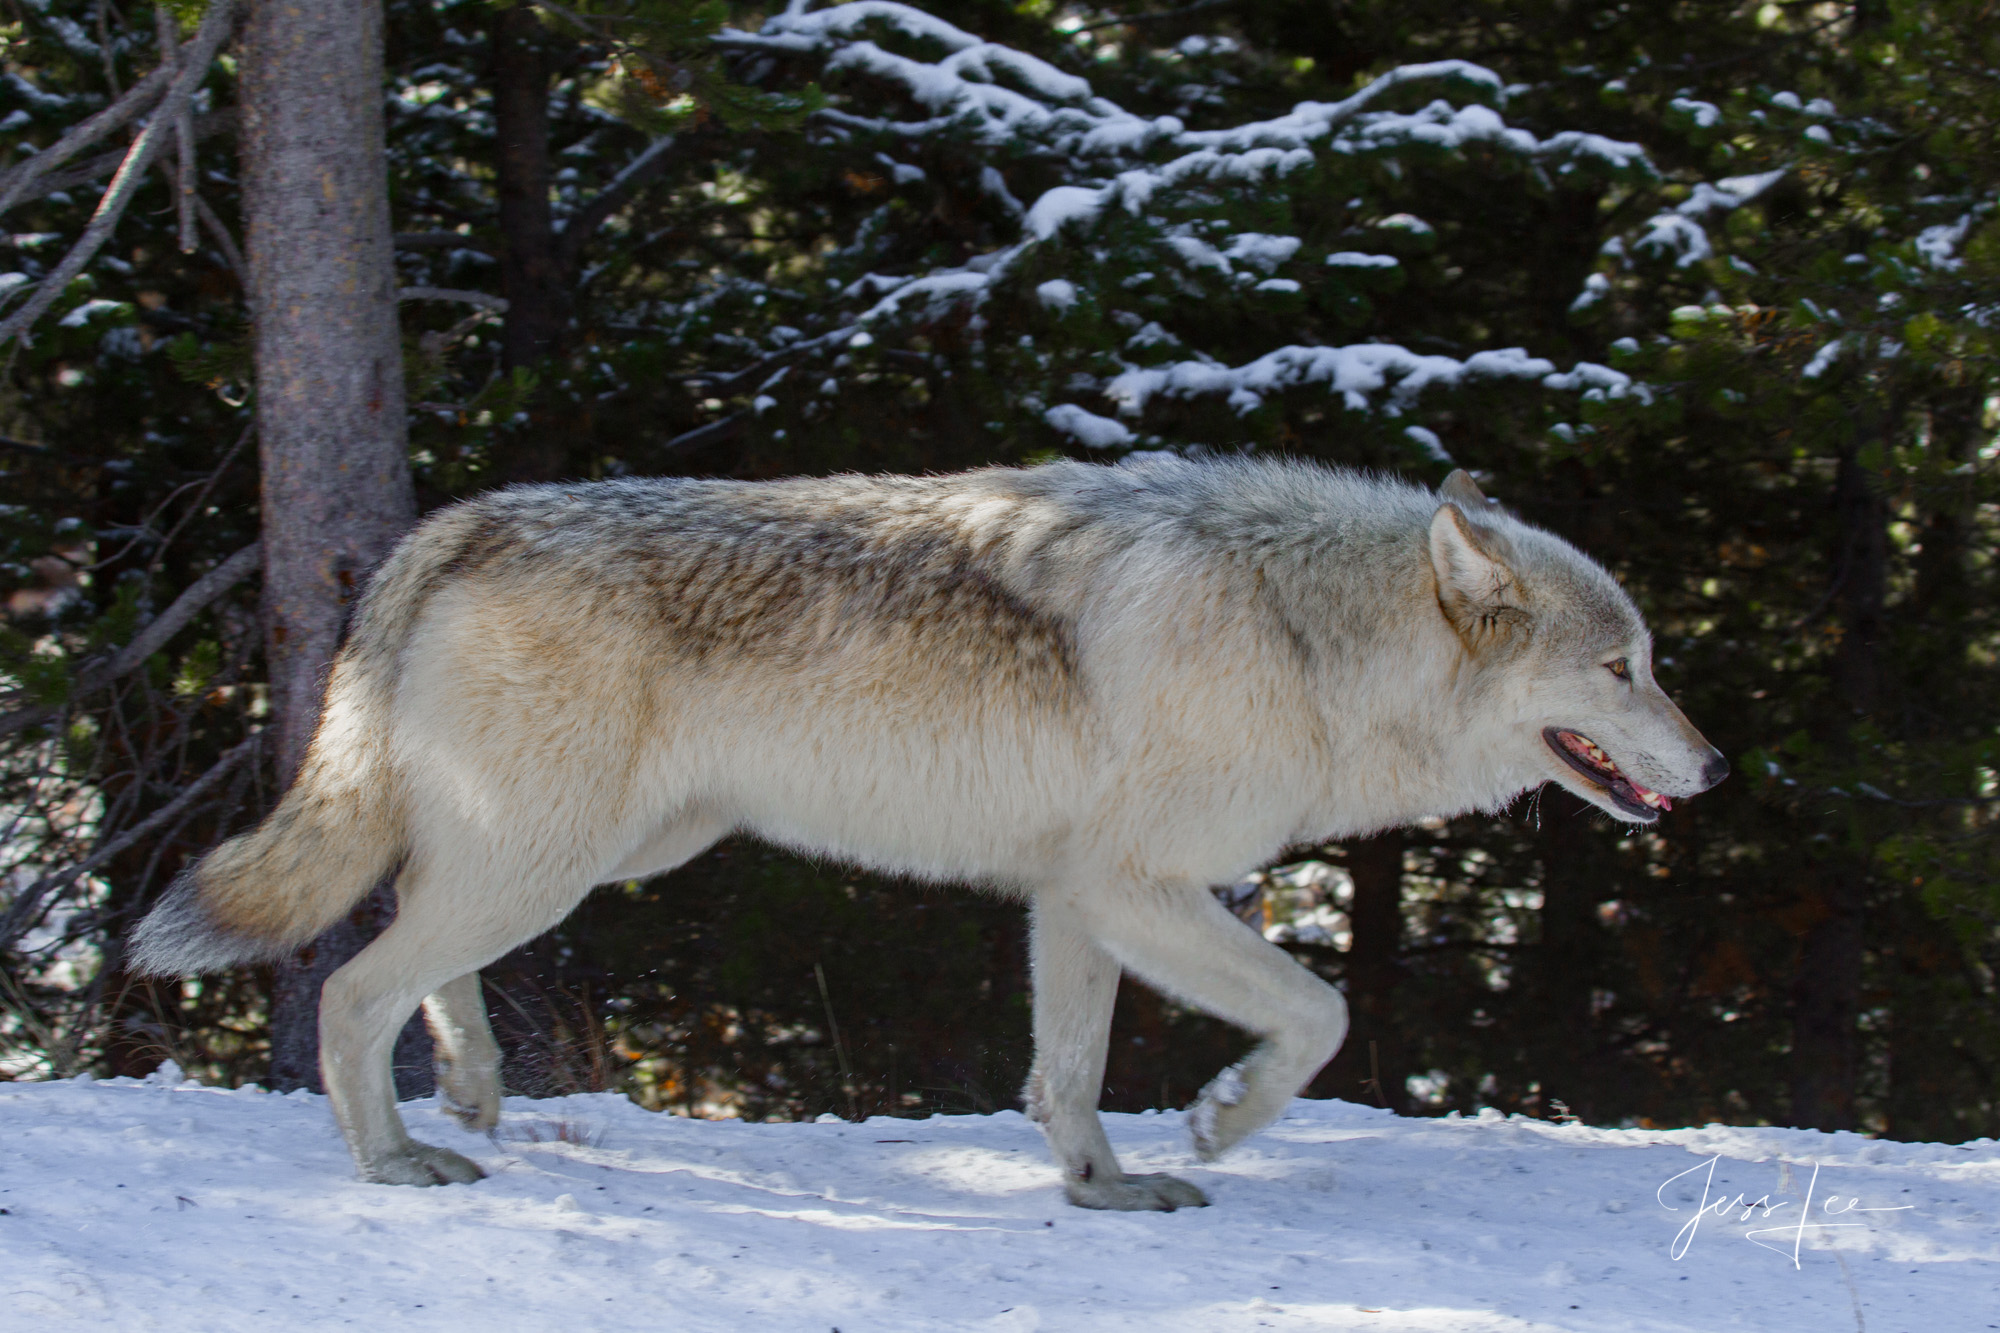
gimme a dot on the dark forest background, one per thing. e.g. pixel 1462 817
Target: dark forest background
pixel 639 238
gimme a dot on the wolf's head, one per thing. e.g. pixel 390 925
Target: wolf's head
pixel 1563 662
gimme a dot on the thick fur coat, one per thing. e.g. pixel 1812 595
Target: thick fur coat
pixel 1102 689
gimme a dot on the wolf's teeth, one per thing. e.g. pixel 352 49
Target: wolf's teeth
pixel 1652 798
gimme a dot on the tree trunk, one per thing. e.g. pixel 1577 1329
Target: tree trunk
pixel 336 487
pixel 534 276
pixel 1562 970
pixel 531 270
pixel 1375 970
pixel 1826 986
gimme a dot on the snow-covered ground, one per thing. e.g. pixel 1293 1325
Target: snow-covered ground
pixel 156 1205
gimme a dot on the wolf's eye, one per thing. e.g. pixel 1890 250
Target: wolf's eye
pixel 1619 669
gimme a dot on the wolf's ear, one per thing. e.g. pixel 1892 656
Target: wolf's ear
pixel 1476 586
pixel 1462 489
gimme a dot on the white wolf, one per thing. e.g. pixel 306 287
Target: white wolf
pixel 1101 689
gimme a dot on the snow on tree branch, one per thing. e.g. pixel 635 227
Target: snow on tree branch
pixel 1122 205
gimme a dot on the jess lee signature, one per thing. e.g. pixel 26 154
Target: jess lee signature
pixel 1830 1206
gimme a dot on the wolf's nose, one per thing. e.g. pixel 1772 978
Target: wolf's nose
pixel 1714 771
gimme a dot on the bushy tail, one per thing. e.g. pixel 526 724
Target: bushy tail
pixel 340 827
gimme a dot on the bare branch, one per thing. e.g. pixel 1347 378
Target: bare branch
pixel 26 907
pixel 215 29
pixel 575 20
pixel 484 301
pixel 14 184
pixel 194 599
pixel 436 240
pixel 1157 15
pixel 207 125
pixel 581 225
pixel 224 241
pixel 715 432
pixel 724 383
pixel 168 29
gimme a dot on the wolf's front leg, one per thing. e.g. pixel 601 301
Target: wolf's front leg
pixel 1075 986
pixel 1180 939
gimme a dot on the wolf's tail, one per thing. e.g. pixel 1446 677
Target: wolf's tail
pixel 340 828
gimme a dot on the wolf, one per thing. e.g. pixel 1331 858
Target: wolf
pixel 1099 689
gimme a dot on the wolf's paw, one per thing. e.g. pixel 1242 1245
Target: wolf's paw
pixel 1217 1121
pixel 421 1164
pixel 1134 1194
pixel 474 1104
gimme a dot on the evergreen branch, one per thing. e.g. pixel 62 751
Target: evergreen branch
pixel 215 29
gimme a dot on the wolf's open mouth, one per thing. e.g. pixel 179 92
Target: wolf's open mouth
pixel 1582 754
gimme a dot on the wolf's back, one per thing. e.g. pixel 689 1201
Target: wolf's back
pixel 340 826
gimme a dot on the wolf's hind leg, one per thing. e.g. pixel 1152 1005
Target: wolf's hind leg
pixel 1187 944
pixel 468 1059
pixel 447 926
pixel 1075 987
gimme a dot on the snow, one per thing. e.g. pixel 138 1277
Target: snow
pixel 903 172
pixel 1676 235
pixel 1743 189
pixel 1595 288
pixel 1705 115
pixel 1823 358
pixel 1119 167
pixel 1059 207
pixel 1261 251
pixel 1939 245
pixel 1360 259
pixel 1356 372
pixel 1428 441
pixel 1087 428
pixel 170 1206
pixel 90 310
pixel 1057 294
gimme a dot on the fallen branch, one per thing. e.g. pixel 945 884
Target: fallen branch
pixel 194 599
pixel 199 54
pixel 27 906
